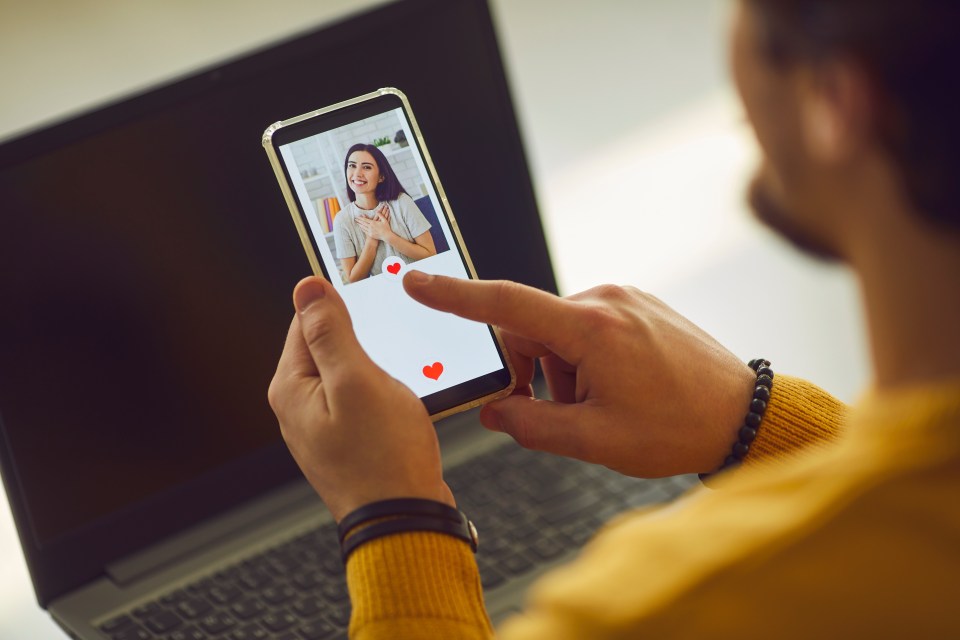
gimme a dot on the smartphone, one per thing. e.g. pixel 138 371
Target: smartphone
pixel 368 205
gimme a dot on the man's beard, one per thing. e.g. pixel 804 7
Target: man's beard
pixel 771 212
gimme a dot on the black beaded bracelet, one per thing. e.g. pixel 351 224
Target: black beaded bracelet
pixel 751 424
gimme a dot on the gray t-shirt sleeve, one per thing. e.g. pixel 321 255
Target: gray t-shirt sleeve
pixel 341 237
pixel 413 218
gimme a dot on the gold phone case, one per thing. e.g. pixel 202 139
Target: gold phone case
pixel 314 259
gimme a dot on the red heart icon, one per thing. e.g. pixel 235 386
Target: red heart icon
pixel 433 371
pixel 393 268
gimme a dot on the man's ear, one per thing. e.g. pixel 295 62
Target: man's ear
pixel 836 111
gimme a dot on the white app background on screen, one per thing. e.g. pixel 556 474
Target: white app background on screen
pixel 401 335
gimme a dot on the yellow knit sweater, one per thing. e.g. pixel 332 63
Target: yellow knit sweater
pixel 855 538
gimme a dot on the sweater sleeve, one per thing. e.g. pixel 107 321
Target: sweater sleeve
pixel 416 585
pixel 427 585
pixel 800 415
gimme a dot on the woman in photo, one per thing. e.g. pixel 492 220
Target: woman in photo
pixel 382 220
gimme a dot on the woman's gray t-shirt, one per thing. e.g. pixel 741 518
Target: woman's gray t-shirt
pixel 406 220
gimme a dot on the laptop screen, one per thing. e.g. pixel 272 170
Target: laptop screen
pixel 146 265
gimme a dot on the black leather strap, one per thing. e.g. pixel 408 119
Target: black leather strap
pixel 398 507
pixel 462 530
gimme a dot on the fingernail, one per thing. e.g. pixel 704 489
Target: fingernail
pixel 418 277
pixel 307 293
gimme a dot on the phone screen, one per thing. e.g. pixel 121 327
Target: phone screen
pixel 373 212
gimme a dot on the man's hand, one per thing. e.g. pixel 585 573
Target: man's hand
pixel 358 435
pixel 635 386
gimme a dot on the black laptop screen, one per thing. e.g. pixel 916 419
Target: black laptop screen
pixel 147 260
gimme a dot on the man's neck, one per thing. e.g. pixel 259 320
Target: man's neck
pixel 910 278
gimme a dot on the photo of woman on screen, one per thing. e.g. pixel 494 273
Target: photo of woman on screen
pixel 381 221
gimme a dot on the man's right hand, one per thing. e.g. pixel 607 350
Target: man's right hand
pixel 636 387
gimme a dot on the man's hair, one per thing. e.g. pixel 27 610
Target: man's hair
pixel 910 50
pixel 390 188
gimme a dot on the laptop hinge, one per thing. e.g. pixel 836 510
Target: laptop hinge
pixel 209 534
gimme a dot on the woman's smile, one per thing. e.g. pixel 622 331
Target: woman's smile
pixel 363 174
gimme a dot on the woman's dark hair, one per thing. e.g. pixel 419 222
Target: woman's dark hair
pixel 390 188
pixel 910 50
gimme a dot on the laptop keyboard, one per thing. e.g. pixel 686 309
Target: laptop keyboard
pixel 530 508
pixel 533 508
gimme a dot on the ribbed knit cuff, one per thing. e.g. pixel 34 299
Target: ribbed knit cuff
pixel 416 585
pixel 799 416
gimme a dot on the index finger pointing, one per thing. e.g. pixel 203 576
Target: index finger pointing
pixel 527 312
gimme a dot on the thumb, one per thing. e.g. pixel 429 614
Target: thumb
pixel 543 425
pixel 326 327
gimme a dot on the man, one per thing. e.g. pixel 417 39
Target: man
pixel 836 525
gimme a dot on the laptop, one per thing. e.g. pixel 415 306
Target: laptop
pixel 146 265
